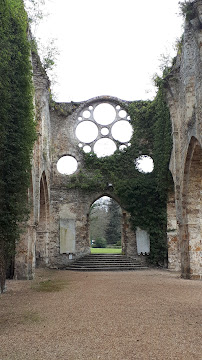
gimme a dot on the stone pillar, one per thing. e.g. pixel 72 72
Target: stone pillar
pixel 174 262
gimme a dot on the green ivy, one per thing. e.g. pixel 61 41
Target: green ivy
pixel 17 127
pixel 144 195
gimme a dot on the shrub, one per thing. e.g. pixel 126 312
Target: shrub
pixel 118 243
pixel 100 243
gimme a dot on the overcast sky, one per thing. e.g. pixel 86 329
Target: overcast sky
pixel 109 47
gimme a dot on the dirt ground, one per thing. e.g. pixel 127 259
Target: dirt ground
pixel 64 315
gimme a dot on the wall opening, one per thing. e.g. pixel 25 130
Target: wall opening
pixel 105 226
pixel 192 208
pixel 144 164
pixel 103 128
pixel 43 225
pixel 67 165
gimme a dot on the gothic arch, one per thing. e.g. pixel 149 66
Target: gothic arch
pixel 191 232
pixel 42 239
pixel 103 217
pixel 128 236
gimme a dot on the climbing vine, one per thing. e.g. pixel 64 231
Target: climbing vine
pixel 17 126
pixel 144 195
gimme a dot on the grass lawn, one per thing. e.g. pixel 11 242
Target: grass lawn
pixel 105 251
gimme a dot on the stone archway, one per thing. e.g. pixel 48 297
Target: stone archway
pixel 192 212
pixel 128 236
pixel 105 223
pixel 42 239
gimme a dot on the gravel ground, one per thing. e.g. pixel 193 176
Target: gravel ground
pixel 144 315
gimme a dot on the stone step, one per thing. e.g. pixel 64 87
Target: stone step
pixel 117 268
pixel 106 259
pixel 105 262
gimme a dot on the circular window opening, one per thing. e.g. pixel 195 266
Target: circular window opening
pixel 104 131
pixel 122 113
pixel 86 131
pixel 122 147
pixel 86 114
pixel 104 147
pixel 122 131
pixel 67 165
pixel 87 149
pixel 104 114
pixel 144 164
pixel 90 107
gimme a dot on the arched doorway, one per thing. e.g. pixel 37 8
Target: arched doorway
pixel 106 226
pixel 43 225
pixel 192 212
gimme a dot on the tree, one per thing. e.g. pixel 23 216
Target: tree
pixel 98 219
pixel 48 51
pixel 113 229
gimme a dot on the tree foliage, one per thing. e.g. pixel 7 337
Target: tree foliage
pixel 98 219
pixel 187 9
pixel 17 126
pixel 113 229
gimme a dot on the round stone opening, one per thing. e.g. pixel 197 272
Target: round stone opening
pixel 104 131
pixel 86 114
pixel 122 113
pixel 144 164
pixel 104 114
pixel 122 131
pixel 86 131
pixel 87 149
pixel 67 165
pixel 104 147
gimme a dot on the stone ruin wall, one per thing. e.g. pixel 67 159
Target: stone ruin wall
pixel 51 202
pixel 184 95
pixel 39 191
pixel 72 206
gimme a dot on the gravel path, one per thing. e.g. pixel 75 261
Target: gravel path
pixel 143 315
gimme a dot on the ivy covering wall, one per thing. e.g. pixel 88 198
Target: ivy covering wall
pixel 143 195
pixel 17 128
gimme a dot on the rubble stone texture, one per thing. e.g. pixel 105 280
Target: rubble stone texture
pixel 53 205
pixel 184 94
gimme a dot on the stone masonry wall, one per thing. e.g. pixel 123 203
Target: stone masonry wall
pixel 25 259
pixel 59 213
pixel 72 206
pixel 184 95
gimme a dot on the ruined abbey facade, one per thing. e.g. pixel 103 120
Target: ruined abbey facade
pixel 58 228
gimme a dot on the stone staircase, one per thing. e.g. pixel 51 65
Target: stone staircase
pixel 105 262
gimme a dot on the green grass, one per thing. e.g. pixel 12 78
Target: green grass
pixel 31 317
pixel 49 285
pixel 105 251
